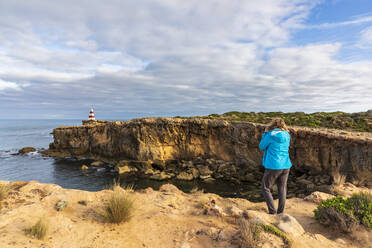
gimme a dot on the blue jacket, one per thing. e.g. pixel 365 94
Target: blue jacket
pixel 275 143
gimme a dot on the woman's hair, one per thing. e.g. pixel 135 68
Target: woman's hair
pixel 278 123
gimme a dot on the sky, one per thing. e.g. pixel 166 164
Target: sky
pixel 130 59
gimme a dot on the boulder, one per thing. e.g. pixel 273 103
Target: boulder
pixel 84 167
pixel 125 169
pixel 97 163
pixel 289 225
pixel 185 176
pixel 204 170
pixel 194 172
pixel 25 150
pixel 317 197
pixel 161 176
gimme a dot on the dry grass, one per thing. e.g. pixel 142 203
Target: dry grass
pixel 39 230
pixel 4 191
pixel 249 233
pixel 195 190
pixel 119 207
pixel 338 179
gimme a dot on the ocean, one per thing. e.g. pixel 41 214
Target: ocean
pixel 16 134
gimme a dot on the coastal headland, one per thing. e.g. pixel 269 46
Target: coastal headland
pixel 208 149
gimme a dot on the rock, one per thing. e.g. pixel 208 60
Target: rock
pixel 194 172
pixel 125 169
pixel 97 163
pixel 170 188
pixel 227 234
pixel 323 188
pixel 317 197
pixel 161 176
pixel 84 203
pixel 209 179
pixel 258 221
pixel 303 181
pixel 235 211
pixel 159 164
pixel 216 210
pixel 25 150
pixel 249 177
pixel 61 205
pixel 310 186
pixel 19 184
pixel 212 232
pixel 341 241
pixel 250 214
pixel 289 225
pixel 149 171
pixel 204 170
pixel 185 176
pixel 84 167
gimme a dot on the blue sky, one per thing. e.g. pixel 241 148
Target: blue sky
pixel 170 57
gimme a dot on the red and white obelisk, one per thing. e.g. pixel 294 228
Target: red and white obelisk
pixel 91 115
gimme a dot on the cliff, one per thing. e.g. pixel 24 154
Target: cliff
pixel 166 143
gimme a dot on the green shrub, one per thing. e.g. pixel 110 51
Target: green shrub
pixel 338 120
pixel 346 214
pixel 361 206
pixel 119 207
pixel 39 230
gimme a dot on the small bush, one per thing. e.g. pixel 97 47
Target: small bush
pixel 250 233
pixel 361 206
pixel 4 190
pixel 346 214
pixel 119 207
pixel 39 230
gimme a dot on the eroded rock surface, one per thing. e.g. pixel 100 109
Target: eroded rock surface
pixel 171 143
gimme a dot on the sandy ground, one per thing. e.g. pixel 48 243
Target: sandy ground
pixel 165 218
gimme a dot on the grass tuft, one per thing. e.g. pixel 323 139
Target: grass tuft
pixel 4 191
pixel 249 233
pixel 39 230
pixel 119 206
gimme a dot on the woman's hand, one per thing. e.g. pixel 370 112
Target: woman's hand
pixel 266 129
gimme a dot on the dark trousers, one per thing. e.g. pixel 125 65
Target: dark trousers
pixel 279 177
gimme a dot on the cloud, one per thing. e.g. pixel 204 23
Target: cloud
pixel 366 38
pixel 356 21
pixel 167 57
pixel 5 85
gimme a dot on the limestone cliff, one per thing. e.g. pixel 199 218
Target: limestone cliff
pixel 160 140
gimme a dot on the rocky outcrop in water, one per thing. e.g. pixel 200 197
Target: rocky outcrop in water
pixel 202 148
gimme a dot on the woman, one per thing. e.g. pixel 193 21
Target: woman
pixel 275 142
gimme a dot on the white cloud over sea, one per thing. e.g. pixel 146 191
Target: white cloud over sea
pixel 168 57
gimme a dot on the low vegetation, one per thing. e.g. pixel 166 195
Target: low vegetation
pixel 250 233
pixel 339 120
pixel 346 214
pixel 277 232
pixel 119 207
pixel 4 191
pixel 39 230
